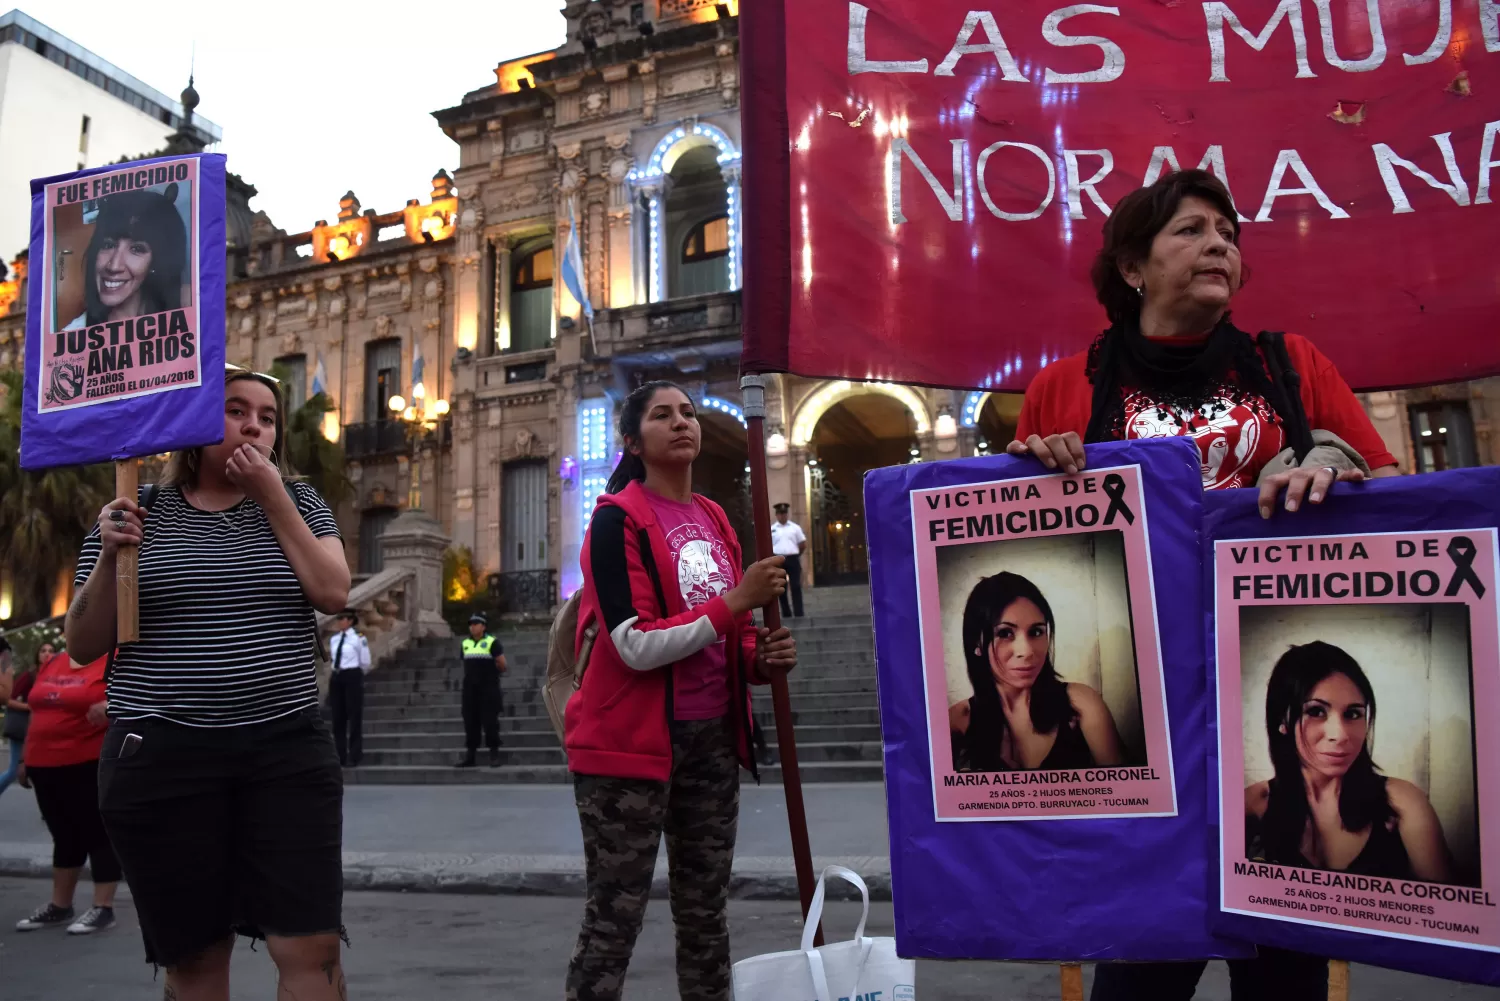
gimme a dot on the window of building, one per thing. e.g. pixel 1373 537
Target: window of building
pixel 83 135
pixel 708 239
pixel 382 377
pixel 372 525
pixel 294 380
pixel 705 258
pixel 1442 436
pixel 530 372
pixel 531 301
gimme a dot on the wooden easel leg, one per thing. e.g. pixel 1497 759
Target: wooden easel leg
pixel 1338 980
pixel 1072 982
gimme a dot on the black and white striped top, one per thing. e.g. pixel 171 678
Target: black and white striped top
pixel 226 631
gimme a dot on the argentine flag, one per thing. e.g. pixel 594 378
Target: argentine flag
pixel 572 268
pixel 320 377
pixel 416 368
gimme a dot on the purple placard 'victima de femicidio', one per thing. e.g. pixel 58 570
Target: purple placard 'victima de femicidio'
pixel 990 578
pixel 1355 653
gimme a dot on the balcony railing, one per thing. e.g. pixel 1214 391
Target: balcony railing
pixel 374 438
pixel 524 590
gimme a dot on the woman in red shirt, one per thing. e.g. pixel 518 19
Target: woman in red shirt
pixel 62 763
pixel 1269 412
pixel 660 727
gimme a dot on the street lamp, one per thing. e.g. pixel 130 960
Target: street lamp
pixel 420 418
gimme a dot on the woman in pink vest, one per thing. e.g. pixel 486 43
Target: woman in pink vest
pixel 659 729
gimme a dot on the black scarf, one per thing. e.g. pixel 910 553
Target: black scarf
pixel 1182 377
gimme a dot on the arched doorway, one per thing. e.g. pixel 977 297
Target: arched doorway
pixel 854 435
pixel 722 473
pixel 697 225
pixel 995 424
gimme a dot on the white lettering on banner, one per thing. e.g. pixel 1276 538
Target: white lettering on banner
pixel 952 204
pixel 984 191
pixel 1213 162
pixel 1290 158
pixel 1218 15
pixel 1076 187
pixel 996 45
pixel 1388 161
pixel 1440 42
pixel 859 15
pixel 1114 56
pixel 956 203
pixel 1487 163
pixel 1377 38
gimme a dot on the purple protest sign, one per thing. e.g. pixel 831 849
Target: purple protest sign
pixel 125 314
pixel 1043 833
pixel 1357 660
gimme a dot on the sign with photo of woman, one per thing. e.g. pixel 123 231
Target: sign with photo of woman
pixel 128 304
pixel 1039 649
pixel 1355 671
pixel 1041 658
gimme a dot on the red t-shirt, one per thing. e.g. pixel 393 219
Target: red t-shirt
pixel 61 733
pixel 1236 435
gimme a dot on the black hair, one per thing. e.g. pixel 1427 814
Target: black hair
pixel 1050 707
pixel 153 219
pixel 1362 797
pixel 631 466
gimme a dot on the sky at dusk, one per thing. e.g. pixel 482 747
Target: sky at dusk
pixel 321 96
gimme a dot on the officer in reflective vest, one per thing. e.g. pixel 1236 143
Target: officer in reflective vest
pixel 484 662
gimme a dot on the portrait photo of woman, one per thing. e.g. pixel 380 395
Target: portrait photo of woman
pixel 1023 716
pixel 1328 805
pixel 136 257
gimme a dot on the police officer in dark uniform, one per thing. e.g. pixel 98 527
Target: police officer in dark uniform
pixel 484 662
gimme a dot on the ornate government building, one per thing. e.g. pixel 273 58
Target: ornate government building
pixel 627 139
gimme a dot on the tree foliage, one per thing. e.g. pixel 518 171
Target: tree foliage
pixel 44 513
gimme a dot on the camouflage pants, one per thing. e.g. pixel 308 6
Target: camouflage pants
pixel 623 820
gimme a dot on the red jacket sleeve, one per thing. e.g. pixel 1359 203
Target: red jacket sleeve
pixel 1332 406
pixel 1058 400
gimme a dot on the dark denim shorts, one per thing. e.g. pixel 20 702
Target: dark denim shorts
pixel 226 830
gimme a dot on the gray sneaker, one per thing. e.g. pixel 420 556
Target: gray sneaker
pixel 46 917
pixel 94 919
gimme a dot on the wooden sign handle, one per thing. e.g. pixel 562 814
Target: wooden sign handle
pixel 127 561
pixel 1338 980
pixel 1072 982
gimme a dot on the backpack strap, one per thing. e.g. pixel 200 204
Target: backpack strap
pixel 1286 381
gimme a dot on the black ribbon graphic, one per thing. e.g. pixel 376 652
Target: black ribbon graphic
pixel 1462 551
pixel 1114 489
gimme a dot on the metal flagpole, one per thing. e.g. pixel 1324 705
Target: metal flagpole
pixel 753 402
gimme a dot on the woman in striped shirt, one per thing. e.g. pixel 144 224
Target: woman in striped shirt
pixel 218 782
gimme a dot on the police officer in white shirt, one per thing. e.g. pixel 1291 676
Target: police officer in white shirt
pixel 346 689
pixel 787 540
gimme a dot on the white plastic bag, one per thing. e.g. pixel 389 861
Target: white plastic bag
pixel 861 969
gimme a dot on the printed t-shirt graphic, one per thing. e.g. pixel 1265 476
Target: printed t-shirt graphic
pixel 704 571
pixel 1236 433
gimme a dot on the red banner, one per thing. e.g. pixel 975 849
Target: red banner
pixel 927 180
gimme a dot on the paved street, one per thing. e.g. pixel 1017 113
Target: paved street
pixel 508 838
pixel 467 948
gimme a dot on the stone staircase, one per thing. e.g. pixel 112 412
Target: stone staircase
pixel 413 730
